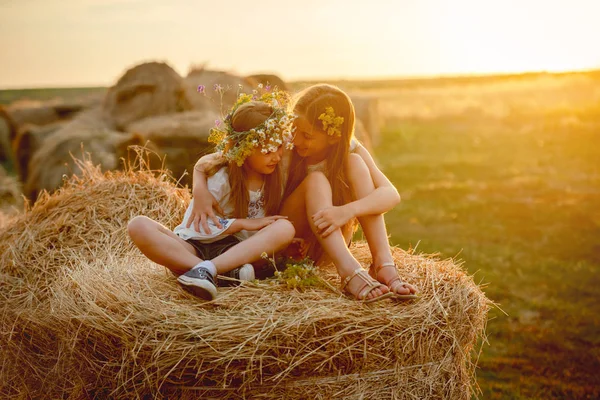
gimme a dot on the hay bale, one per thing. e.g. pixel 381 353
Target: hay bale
pixel 367 111
pixel 28 140
pixel 34 115
pixel 87 316
pixel 179 138
pixel 218 102
pixel 32 112
pixel 363 136
pixel 145 90
pixel 10 194
pixel 88 133
pixel 268 79
pixel 7 132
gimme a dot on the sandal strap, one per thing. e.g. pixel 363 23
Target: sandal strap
pixel 388 264
pixel 350 277
pixel 391 282
pixel 369 283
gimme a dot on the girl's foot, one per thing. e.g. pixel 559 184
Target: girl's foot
pixel 364 288
pixel 387 273
pixel 200 282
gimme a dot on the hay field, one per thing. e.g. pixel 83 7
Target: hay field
pixel 504 174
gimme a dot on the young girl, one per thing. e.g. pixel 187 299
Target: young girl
pixel 331 180
pixel 247 188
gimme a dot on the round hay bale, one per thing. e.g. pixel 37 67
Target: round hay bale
pixel 221 101
pixel 32 112
pixel 68 110
pixel 7 132
pixel 145 90
pixel 88 133
pixel 10 193
pixel 179 138
pixel 367 111
pixel 88 316
pixel 268 79
pixel 28 140
pixel 363 136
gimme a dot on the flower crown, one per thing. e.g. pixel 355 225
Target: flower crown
pixel 331 123
pixel 275 131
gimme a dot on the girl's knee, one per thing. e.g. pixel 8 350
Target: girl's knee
pixel 137 226
pixel 285 230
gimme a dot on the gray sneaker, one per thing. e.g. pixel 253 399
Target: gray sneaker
pixel 200 282
pixel 243 273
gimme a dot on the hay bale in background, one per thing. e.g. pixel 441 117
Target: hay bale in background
pixel 179 138
pixel 11 199
pixel 363 136
pixel 88 133
pixel 32 112
pixel 211 99
pixel 145 90
pixel 87 316
pixel 7 132
pixel 34 118
pixel 366 107
pixel 270 79
pixel 28 140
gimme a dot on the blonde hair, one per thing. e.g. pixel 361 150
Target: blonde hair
pixel 246 117
pixel 310 104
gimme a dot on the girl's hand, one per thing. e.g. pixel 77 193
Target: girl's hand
pixel 205 206
pixel 297 249
pixel 256 224
pixel 331 218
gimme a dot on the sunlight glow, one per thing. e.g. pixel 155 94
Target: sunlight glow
pixel 91 42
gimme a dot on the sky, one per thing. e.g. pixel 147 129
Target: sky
pixel 69 43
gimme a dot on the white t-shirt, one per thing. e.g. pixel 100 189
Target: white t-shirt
pixel 218 186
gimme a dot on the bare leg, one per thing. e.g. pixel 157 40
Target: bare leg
pixel 373 226
pixel 270 239
pixel 315 191
pixel 161 245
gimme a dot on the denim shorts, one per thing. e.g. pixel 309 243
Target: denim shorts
pixel 208 251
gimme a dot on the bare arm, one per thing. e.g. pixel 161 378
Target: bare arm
pixel 252 224
pixel 205 204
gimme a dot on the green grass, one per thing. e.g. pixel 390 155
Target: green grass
pixel 523 212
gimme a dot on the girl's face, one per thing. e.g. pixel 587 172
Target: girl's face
pixel 310 141
pixel 263 163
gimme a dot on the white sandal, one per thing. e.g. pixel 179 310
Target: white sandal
pixel 369 285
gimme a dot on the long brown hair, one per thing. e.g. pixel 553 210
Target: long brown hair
pixel 311 103
pixel 248 116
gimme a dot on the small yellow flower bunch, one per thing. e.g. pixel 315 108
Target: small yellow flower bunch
pixel 331 123
pixel 275 131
